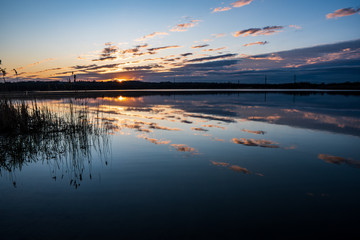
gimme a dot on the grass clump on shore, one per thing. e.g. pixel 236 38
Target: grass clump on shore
pixel 25 118
pixel 63 140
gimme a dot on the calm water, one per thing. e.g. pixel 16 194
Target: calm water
pixel 193 166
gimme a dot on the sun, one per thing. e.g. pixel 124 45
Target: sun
pixel 121 79
pixel 121 98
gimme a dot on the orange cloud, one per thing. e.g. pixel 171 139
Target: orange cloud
pixel 155 126
pixel 240 3
pixel 214 49
pixel 219 35
pixel 236 4
pixel 256 43
pixel 235 168
pixel 223 164
pixel 183 148
pixel 239 169
pixel 183 27
pixel 339 160
pixel 152 35
pixel 156 141
pixel 256 143
pixel 199 129
pixel 342 12
pixel 221 9
pixel 214 126
pixel 254 132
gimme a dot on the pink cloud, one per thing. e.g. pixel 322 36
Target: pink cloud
pixel 221 9
pixel 240 3
pixel 183 148
pixel 342 12
pixel 256 43
pixel 295 26
pixel 214 49
pixel 236 4
pixel 219 35
pixel 152 35
pixel 256 143
pixel 183 27
pixel 339 160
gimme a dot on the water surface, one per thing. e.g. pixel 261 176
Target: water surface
pixel 191 166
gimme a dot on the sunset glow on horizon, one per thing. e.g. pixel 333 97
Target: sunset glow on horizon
pixel 188 41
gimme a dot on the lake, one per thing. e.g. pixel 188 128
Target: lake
pixel 190 165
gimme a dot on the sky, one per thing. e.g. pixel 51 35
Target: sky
pixel 202 40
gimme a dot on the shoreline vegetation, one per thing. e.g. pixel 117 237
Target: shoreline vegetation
pixel 65 141
pixel 137 85
pixel 28 118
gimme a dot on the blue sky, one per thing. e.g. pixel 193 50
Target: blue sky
pixel 48 40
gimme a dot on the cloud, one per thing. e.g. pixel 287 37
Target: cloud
pixel 255 43
pixel 183 148
pixel 223 164
pixel 95 67
pixel 200 46
pixel 155 126
pixel 237 168
pixel 213 64
pixel 212 58
pixel 339 160
pixel 151 35
pixel 254 132
pixel 145 67
pixel 256 143
pixel 214 126
pixel 258 31
pixel 199 129
pixel 162 48
pixel 139 50
pixel 36 63
pixel 240 3
pixel 183 27
pixel 343 12
pixel 214 118
pixel 214 49
pixel 156 141
pixel 236 4
pixel 186 54
pixel 186 121
pixel 108 53
pixel 135 49
pixel 221 9
pixel 219 35
pixel 295 26
pixel 328 63
pixel 269 57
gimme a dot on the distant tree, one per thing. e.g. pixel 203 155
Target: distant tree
pixel 16 74
pixel 3 71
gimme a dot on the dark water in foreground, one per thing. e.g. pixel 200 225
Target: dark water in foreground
pixel 206 166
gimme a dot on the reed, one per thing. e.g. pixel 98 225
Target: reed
pixel 63 140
